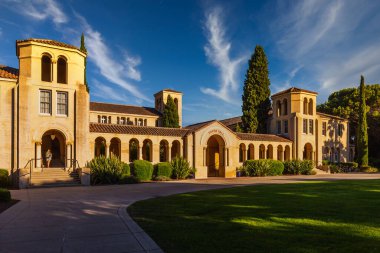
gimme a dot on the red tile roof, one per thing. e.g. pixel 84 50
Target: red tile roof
pixel 137 130
pixel 330 116
pixel 49 42
pixel 127 109
pixel 231 121
pixel 8 72
pixel 262 137
pixel 293 89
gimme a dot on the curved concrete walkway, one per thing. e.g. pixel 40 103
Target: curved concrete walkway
pixel 94 219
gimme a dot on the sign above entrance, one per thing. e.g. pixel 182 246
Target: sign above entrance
pixel 215 131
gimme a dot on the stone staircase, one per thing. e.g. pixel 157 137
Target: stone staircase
pixel 52 177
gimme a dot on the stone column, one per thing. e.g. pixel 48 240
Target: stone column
pixel 107 150
pixel 38 155
pixel 169 153
pixel 68 161
pixel 181 149
pixel 140 152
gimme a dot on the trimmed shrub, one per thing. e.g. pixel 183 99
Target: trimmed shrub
pixel 5 195
pixel 4 178
pixel 368 169
pixel 344 167
pixel 105 170
pixel 128 179
pixel 142 170
pixel 298 167
pixel 126 169
pixel 262 167
pixel 181 168
pixel 163 169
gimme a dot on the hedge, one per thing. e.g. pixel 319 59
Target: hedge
pixel 126 169
pixel 263 167
pixel 344 167
pixel 142 170
pixel 4 178
pixel 128 179
pixel 5 195
pixel 163 169
pixel 298 167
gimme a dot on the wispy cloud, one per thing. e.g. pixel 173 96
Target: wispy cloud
pixel 39 9
pixel 218 53
pixel 104 91
pixel 114 70
pixel 332 46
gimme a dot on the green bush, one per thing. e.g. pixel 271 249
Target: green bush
pixel 5 195
pixel 368 169
pixel 105 170
pixel 4 178
pixel 142 170
pixel 298 167
pixel 181 168
pixel 344 167
pixel 126 169
pixel 161 178
pixel 163 169
pixel 325 162
pixel 335 169
pixel 128 179
pixel 263 168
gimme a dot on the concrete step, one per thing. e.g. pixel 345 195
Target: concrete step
pixel 54 177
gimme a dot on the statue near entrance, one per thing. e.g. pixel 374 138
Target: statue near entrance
pixel 49 157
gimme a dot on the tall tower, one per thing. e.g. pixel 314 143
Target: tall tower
pixel 161 97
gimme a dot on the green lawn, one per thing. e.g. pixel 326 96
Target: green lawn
pixel 340 216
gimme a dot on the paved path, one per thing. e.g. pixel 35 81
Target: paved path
pixel 93 219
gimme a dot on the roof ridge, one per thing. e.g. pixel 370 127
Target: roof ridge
pixel 136 126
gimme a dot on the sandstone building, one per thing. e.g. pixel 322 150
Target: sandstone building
pixel 44 105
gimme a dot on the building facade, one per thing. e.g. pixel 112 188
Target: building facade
pixel 45 105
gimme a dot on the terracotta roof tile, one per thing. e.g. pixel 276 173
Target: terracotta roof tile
pixel 196 126
pixel 231 121
pixel 49 42
pixel 330 116
pixel 127 109
pixel 293 89
pixel 262 137
pixel 8 72
pixel 137 130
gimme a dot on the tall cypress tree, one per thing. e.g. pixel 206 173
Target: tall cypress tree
pixel 170 116
pixel 84 50
pixel 362 134
pixel 256 92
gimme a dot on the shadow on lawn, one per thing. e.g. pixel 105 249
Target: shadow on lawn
pixel 334 216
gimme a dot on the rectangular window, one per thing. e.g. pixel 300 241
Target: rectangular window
pixel 340 130
pixel 305 126
pixel 324 128
pixel 311 126
pixel 286 126
pixel 62 102
pixel 45 101
pixel 278 127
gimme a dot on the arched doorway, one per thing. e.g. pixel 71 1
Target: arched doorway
pixel 164 151
pixel 176 149
pixel 100 147
pixel 133 150
pixel 115 147
pixel 147 150
pixel 308 152
pixel 54 141
pixel 215 156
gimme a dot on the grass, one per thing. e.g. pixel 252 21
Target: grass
pixel 339 216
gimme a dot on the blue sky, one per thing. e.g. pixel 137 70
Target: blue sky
pixel 201 48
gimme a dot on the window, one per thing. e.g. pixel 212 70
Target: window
pixel 305 126
pixel 278 127
pixel 285 104
pixel 324 128
pixel 62 101
pixel 311 126
pixel 61 70
pixel 340 130
pixel 122 120
pixel 286 126
pixel 46 68
pixel 104 119
pixel 305 106
pixel 45 101
pixel 311 108
pixel 278 105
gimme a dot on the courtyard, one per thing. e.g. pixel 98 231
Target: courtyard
pixel 94 219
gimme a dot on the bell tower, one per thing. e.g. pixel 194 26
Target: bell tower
pixel 161 97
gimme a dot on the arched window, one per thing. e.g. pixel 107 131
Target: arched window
pixel 311 109
pixel 61 70
pixel 176 149
pixel 270 152
pixel 278 109
pixel 251 152
pixel 262 151
pixel 46 68
pixel 147 150
pixel 305 106
pixel 242 151
pixel 164 151
pixel 285 105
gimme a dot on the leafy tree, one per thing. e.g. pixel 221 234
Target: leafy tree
pixel 362 135
pixel 345 103
pixel 84 50
pixel 256 103
pixel 170 116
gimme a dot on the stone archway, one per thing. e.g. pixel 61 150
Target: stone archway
pixel 308 152
pixel 55 141
pixel 215 156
